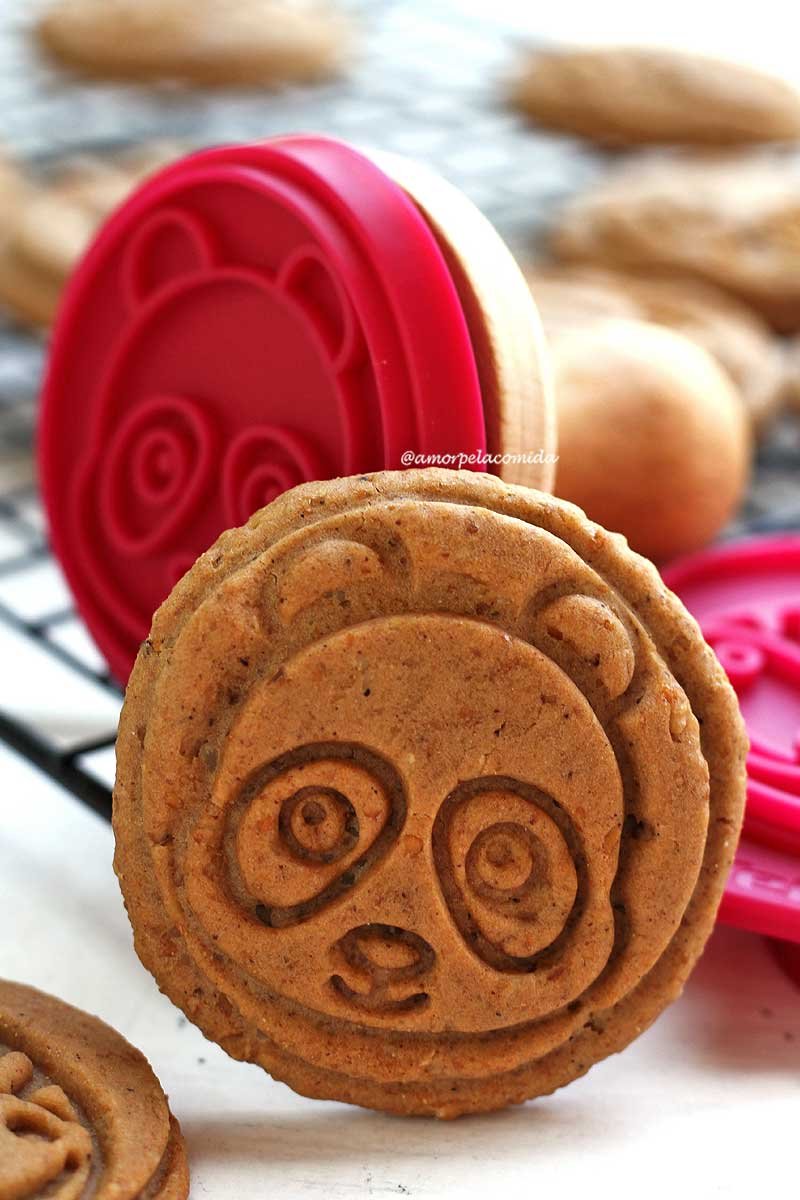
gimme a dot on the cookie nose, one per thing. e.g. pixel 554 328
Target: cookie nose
pixel 385 957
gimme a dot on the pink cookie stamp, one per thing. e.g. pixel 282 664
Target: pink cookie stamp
pixel 253 317
pixel 746 597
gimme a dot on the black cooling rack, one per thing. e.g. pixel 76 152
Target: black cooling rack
pixel 427 84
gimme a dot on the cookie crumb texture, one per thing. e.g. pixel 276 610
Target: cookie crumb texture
pixel 81 1113
pixel 427 789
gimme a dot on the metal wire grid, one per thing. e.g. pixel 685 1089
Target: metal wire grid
pixel 426 85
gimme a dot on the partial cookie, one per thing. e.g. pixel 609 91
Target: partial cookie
pixel 81 1112
pixel 58 221
pixel 426 793
pixel 624 95
pixel 13 191
pixel 504 326
pixel 731 221
pixel 572 297
pixel 201 41
pixel 654 440
pixel 742 343
pixel 791 381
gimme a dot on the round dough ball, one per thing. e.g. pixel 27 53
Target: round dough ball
pixel 654 440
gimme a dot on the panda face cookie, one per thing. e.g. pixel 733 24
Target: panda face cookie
pixel 414 807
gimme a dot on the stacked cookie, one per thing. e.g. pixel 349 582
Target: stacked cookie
pixel 427 789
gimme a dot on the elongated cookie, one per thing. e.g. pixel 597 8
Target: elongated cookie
pixel 427 789
pixel 201 41
pixel 624 95
pixel 81 1112
pixel 730 220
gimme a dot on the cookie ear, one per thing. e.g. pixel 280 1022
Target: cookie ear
pixel 169 245
pixel 585 635
pixel 332 567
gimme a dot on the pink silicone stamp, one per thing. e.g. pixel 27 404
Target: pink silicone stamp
pixel 746 596
pixel 258 316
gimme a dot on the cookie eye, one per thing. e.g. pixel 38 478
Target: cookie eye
pixel 511 869
pixel 307 826
pixel 318 825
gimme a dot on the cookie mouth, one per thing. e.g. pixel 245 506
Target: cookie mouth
pixel 387 959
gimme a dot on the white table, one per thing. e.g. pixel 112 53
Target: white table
pixel 706 1104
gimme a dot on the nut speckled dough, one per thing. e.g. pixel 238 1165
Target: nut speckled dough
pixel 570 297
pixel 57 222
pixel 266 42
pixel 427 789
pixel 81 1113
pixel 730 220
pixel 623 95
pixel 653 438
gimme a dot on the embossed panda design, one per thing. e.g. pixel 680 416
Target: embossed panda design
pixel 414 807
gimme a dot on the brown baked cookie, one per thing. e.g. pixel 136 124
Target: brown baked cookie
pixel 81 1112
pixel 59 219
pixel 504 326
pixel 12 193
pixel 570 297
pixel 791 377
pixel 427 789
pixel 624 95
pixel 731 221
pixel 266 42
pixel 654 440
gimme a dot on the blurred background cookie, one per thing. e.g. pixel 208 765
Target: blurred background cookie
pixel 13 191
pixel 81 1112
pixel 739 339
pixel 623 95
pixel 729 220
pixel 50 231
pixel 654 440
pixel 201 41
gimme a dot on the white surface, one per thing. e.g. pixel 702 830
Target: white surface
pixel 705 1104
pixel 47 695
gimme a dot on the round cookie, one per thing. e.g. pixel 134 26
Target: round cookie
pixel 426 792
pixel 654 439
pixel 81 1112
pixel 200 41
pixel 629 95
